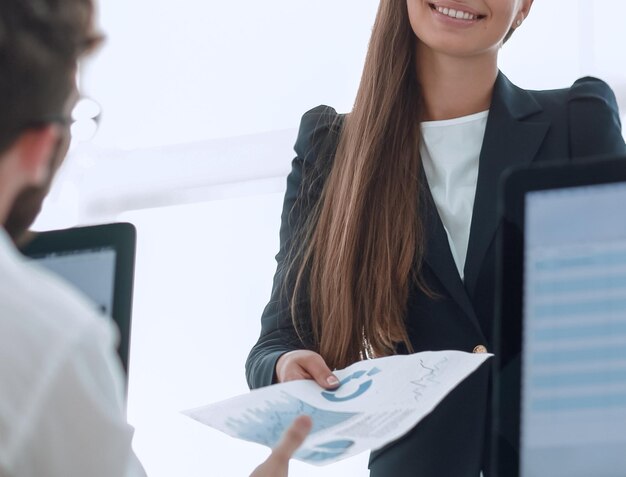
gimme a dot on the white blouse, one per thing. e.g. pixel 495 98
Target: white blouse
pixel 450 150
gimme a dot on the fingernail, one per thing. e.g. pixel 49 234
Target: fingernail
pixel 332 380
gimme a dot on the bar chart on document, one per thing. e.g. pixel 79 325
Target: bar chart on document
pixel 574 371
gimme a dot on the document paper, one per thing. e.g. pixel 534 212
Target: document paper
pixel 378 401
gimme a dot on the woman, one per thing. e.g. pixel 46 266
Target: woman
pixel 387 237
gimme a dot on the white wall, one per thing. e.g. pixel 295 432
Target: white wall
pixel 205 276
pixel 564 39
pixel 200 103
pixel 191 70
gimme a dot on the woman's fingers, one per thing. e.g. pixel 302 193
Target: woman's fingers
pixel 303 364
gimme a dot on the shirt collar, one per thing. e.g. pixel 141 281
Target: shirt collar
pixel 7 247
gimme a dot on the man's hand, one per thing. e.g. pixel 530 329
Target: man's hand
pixel 277 464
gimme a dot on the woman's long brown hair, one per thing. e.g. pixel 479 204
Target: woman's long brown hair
pixel 363 239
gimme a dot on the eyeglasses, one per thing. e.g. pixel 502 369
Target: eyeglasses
pixel 85 119
pixel 82 123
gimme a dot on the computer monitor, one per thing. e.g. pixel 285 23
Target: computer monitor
pixel 99 261
pixel 560 393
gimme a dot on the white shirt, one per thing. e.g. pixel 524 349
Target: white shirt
pixel 61 386
pixel 450 150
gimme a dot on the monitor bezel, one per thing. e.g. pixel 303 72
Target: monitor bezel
pixel 514 186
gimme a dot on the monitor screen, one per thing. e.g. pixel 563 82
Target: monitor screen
pixel 573 388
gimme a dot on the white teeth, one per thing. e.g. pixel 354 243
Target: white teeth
pixel 456 13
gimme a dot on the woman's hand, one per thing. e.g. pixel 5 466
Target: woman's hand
pixel 302 364
pixel 277 464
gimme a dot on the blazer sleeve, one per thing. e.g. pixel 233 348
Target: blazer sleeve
pixel 278 335
pixel 594 121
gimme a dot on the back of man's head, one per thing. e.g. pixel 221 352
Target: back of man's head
pixel 40 44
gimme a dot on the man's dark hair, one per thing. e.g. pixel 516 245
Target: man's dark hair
pixel 40 44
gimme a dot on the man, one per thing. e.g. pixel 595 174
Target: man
pixel 61 387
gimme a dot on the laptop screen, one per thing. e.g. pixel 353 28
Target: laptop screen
pixel 573 399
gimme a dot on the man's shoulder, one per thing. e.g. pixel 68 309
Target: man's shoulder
pixel 42 315
pixel 44 324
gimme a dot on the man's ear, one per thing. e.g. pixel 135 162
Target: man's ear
pixel 526 6
pixel 35 150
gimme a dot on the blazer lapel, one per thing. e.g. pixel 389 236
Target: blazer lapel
pixel 511 138
pixel 438 256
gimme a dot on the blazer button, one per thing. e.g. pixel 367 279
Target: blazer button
pixel 480 349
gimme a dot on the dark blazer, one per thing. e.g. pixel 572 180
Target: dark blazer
pixel 522 127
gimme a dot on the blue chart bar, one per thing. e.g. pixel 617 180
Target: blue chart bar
pixel 594 307
pixel 580 379
pixel 572 403
pixel 580 332
pixel 600 356
pixel 548 287
pixel 592 260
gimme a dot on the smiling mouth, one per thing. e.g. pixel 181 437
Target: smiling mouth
pixel 457 14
